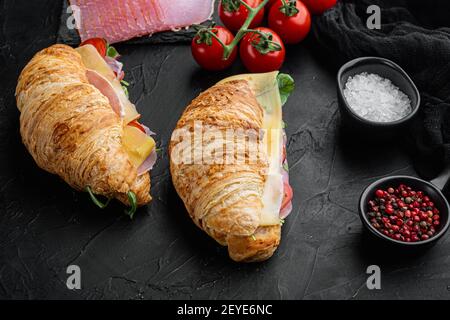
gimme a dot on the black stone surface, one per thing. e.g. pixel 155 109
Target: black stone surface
pixel 46 226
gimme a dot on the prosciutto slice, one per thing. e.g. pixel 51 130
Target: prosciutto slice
pixel 102 84
pixel 120 20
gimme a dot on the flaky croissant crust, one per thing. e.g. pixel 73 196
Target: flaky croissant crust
pixel 70 129
pixel 225 199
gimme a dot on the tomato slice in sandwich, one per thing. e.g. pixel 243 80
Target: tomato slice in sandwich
pixel 287 195
pixel 99 43
pixel 136 124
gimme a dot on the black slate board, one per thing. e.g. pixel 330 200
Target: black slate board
pixel 46 226
pixel 72 38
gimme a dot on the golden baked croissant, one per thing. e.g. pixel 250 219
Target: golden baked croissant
pixel 226 160
pixel 71 129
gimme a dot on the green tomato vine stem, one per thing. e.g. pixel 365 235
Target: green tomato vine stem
pixel 228 49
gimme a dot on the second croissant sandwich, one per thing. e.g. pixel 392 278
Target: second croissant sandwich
pixel 77 122
pixel 228 163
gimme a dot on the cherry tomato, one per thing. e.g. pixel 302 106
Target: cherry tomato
pixel 233 14
pixel 319 6
pixel 99 43
pixel 291 21
pixel 270 3
pixel 254 53
pixel 136 124
pixel 288 194
pixel 208 52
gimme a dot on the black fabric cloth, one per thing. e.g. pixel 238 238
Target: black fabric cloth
pixel 415 35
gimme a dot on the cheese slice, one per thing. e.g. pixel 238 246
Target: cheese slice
pixel 92 60
pixel 265 87
pixel 137 144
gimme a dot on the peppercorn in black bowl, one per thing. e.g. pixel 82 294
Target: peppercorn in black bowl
pixel 405 211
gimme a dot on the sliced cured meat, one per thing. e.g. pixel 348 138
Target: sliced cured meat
pixel 93 61
pixel 136 14
pixel 148 164
pixel 120 20
pixel 186 12
pixel 102 84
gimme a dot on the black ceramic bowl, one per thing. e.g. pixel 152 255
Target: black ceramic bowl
pixel 386 69
pixel 432 190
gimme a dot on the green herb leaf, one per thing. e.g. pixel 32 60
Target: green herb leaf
pixel 286 166
pixel 282 221
pixel 94 199
pixel 125 89
pixel 133 202
pixel 283 124
pixel 112 52
pixel 286 85
pixel 253 237
pixel 125 85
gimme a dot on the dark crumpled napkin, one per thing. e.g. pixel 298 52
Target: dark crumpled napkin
pixel 416 35
pixel 71 37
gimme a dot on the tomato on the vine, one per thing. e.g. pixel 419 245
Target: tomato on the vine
pixel 290 19
pixel 99 43
pixel 208 52
pixel 270 3
pixel 262 51
pixel 319 6
pixel 233 14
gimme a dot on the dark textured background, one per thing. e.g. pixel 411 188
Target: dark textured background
pixel 45 226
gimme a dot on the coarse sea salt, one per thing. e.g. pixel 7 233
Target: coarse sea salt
pixel 375 98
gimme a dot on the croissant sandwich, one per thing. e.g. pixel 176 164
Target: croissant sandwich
pixel 77 122
pixel 228 163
